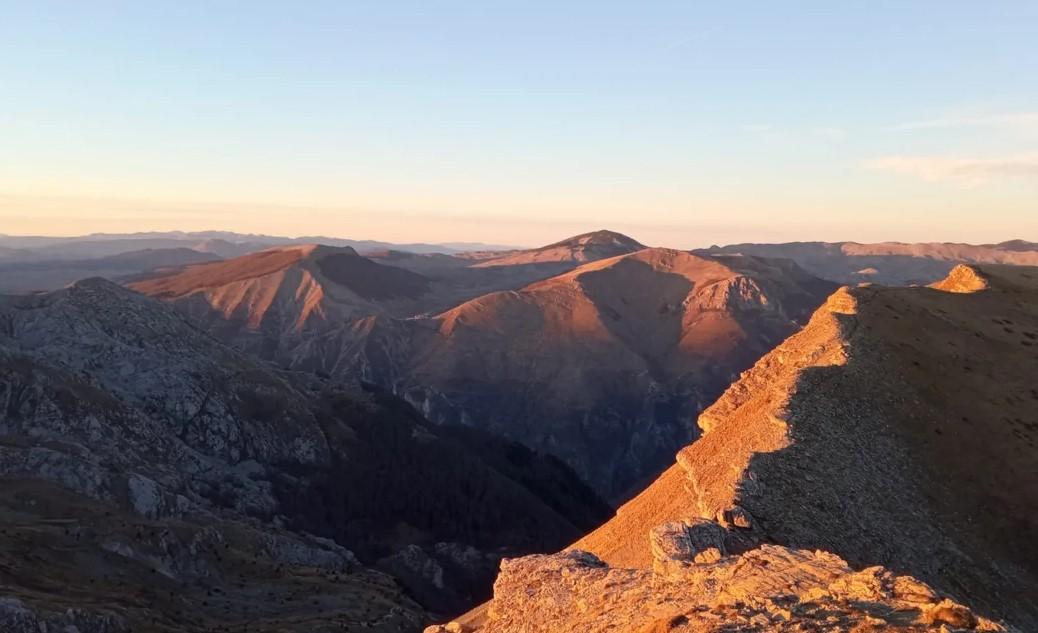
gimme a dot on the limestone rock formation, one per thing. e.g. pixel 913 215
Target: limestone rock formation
pixel 962 279
pixel 767 589
pixel 697 540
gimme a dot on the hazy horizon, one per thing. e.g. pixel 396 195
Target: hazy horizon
pixel 490 243
pixel 521 123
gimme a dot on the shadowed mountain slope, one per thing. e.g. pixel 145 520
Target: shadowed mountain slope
pixel 178 485
pixel 897 429
pixel 602 366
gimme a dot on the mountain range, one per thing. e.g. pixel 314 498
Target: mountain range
pixel 327 437
pixel 223 243
pixel 891 263
pixel 65 259
pixel 37 263
pixel 596 349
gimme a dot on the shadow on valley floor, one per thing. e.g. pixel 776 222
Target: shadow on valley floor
pixel 439 512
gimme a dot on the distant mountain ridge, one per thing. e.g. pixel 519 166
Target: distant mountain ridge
pixel 890 263
pixel 844 262
pixel 18 277
pixel 98 244
pixel 35 263
pixel 586 247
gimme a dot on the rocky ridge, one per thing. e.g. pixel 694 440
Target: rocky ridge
pixel 878 433
pixel 840 450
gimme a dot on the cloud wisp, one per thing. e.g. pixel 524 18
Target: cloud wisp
pixel 969 172
pixel 1027 121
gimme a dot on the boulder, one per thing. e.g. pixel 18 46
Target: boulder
pixel 679 543
pixel 735 517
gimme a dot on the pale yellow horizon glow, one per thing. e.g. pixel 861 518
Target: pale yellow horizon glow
pixel 675 221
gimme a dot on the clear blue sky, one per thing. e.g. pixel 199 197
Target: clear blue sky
pixel 681 123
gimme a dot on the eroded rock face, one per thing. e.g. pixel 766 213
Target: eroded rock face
pixel 768 589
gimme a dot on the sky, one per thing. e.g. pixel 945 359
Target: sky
pixel 680 123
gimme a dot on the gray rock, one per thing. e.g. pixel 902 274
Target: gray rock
pixel 680 543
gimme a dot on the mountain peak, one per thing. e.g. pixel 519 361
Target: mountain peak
pixel 96 283
pixel 295 283
pixel 315 250
pixel 586 247
pixel 95 289
pixel 602 237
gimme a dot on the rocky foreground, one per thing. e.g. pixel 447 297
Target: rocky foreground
pixel 695 587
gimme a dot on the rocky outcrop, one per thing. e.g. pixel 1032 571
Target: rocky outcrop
pixel 962 278
pixel 766 589
pixel 682 542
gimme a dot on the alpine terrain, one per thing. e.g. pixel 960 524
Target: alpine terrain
pixel 895 435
